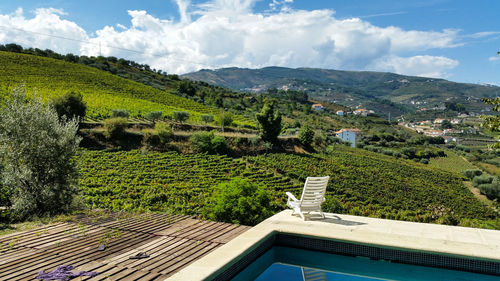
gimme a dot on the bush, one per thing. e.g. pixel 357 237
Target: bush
pixel 120 113
pixel 114 128
pixel 491 190
pixel 70 105
pixel 164 132
pixel 37 148
pixel 154 115
pixel 207 118
pixel 471 173
pixel 209 142
pixel 306 135
pixel 482 179
pixel 181 116
pixel 228 119
pixel 239 201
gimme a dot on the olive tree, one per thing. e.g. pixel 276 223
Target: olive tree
pixel 37 152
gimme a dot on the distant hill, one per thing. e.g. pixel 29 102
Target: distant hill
pixel 381 91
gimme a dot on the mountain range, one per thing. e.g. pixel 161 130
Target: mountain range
pixel 380 91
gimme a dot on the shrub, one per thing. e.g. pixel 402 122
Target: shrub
pixel 37 148
pixel 181 116
pixel 491 190
pixel 209 142
pixel 306 135
pixel 207 118
pixel 482 179
pixel 227 120
pixel 164 132
pixel 154 115
pixel 239 201
pixel 471 173
pixel 120 113
pixel 70 105
pixel 114 128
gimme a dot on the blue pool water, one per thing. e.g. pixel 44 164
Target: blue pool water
pixel 282 263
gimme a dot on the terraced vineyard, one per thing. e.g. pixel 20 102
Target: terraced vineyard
pixel 102 91
pixel 171 182
pixel 372 185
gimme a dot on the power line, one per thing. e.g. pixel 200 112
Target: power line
pixel 98 44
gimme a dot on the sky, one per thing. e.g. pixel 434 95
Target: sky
pixel 453 39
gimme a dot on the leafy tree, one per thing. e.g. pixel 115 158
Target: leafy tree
pixel 186 87
pixel 306 108
pixel 270 121
pixel 37 154
pixel 70 105
pixel 154 115
pixel 228 119
pixel 181 116
pixel 306 135
pixel 164 132
pixel 492 122
pixel 239 201
pixel 209 142
pixel 207 118
pixel 114 128
pixel 123 113
pixel 446 124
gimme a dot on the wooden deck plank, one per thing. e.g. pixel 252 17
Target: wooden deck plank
pixel 171 241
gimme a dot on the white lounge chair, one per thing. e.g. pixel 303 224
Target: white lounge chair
pixel 313 196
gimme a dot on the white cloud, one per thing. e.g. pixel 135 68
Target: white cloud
pixel 43 31
pixel 229 33
pixel 427 66
pixel 494 58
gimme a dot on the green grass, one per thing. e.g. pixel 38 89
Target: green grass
pixel 102 91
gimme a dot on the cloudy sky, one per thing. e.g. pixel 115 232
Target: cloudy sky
pixel 453 39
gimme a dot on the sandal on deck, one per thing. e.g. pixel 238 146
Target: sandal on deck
pixel 139 255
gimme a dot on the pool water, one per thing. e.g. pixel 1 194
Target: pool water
pixel 283 263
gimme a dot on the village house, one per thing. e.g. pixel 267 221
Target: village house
pixel 438 121
pixel 340 112
pixel 348 135
pixel 433 133
pixel 361 111
pixel 456 121
pixel 317 106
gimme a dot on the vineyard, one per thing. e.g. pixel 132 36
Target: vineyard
pixel 362 183
pixel 102 91
pixel 371 185
pixel 170 182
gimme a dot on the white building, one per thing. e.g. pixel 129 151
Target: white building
pixel 317 106
pixel 348 135
pixel 340 113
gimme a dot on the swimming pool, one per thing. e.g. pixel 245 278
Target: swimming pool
pixel 281 256
pixel 284 263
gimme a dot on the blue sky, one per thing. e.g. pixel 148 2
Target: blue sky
pixel 456 40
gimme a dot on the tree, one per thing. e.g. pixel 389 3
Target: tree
pixel 306 135
pixel 239 201
pixel 209 142
pixel 207 118
pixel 123 113
pixel 181 116
pixel 114 128
pixel 37 154
pixel 446 124
pixel 186 87
pixel 154 116
pixel 70 105
pixel 492 122
pixel 270 121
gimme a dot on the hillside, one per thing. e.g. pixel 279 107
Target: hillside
pixel 362 183
pixel 380 91
pixel 102 91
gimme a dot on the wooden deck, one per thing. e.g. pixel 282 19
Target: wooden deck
pixel 171 241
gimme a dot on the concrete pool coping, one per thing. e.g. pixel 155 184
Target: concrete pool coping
pixel 476 243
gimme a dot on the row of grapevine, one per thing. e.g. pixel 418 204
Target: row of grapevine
pixel 377 186
pixel 102 91
pixel 134 180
